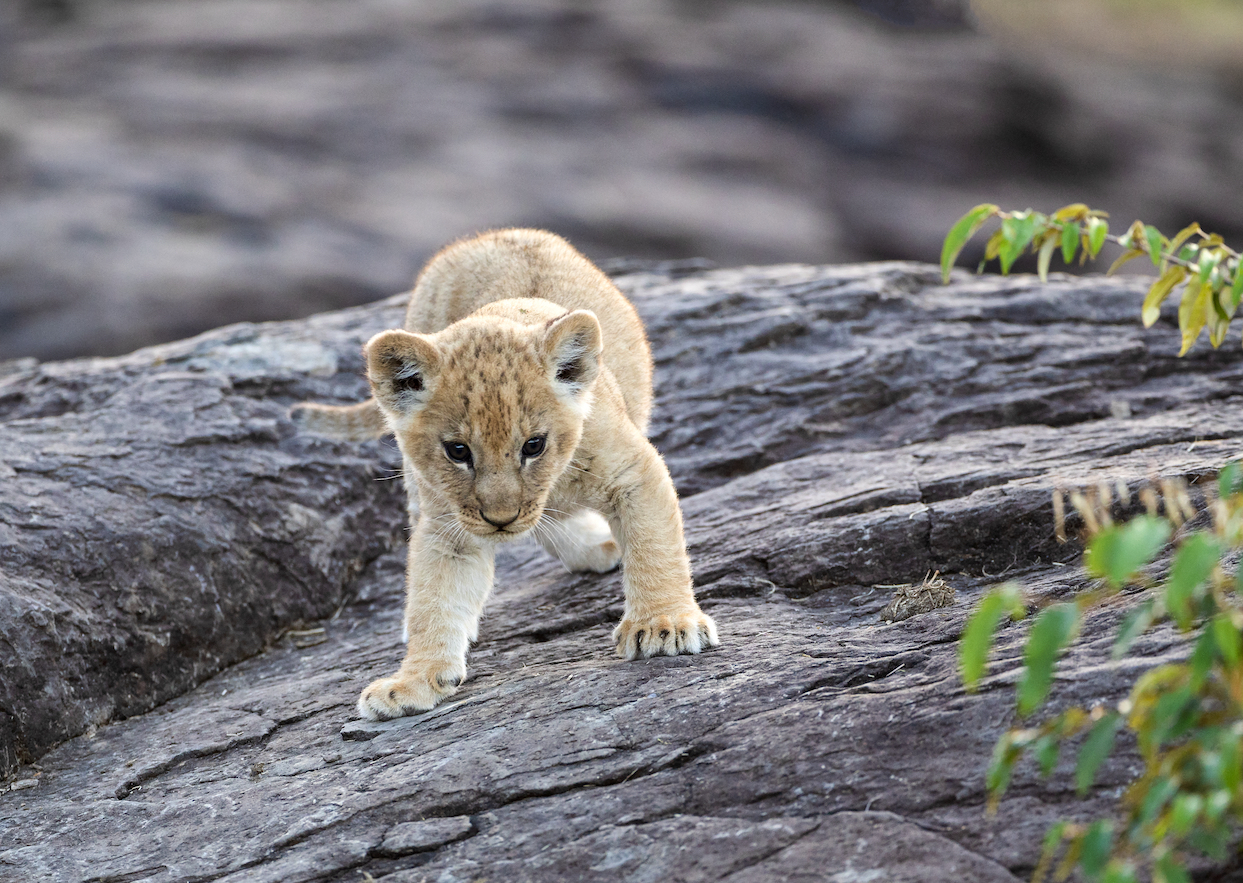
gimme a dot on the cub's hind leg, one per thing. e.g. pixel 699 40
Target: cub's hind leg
pixel 580 539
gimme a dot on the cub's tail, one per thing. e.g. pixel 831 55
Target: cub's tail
pixel 361 422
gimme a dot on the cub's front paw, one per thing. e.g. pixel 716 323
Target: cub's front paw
pixel 690 630
pixel 411 690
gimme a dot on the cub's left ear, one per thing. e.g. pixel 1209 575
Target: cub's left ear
pixel 403 369
pixel 572 347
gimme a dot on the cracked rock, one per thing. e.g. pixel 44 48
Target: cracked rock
pixel 166 537
pixel 410 837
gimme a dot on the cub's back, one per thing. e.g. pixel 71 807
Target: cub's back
pixel 534 263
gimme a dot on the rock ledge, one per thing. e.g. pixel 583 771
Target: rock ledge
pixel 831 429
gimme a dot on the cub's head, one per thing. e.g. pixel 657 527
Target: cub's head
pixel 489 411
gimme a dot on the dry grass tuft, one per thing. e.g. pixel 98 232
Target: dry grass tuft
pixel 909 599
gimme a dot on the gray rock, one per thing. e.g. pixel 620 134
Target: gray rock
pixel 153 503
pixel 832 429
pixel 411 837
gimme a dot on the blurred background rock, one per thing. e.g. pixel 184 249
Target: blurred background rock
pixel 167 166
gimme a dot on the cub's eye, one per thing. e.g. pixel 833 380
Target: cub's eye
pixel 457 452
pixel 533 447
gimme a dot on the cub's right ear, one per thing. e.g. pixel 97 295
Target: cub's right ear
pixel 402 368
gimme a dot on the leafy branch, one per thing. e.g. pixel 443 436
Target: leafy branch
pixel 1201 261
pixel 1186 718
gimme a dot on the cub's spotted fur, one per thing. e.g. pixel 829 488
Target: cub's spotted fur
pixel 519 395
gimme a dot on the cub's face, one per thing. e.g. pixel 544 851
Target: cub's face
pixel 489 411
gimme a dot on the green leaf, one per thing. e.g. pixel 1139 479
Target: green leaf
pixel 1052 631
pixel 1097 230
pixel 1168 869
pixel 1193 563
pixel 1169 719
pixel 1156 244
pixel 1219 315
pixel 1202 659
pixel 1212 843
pixel 1054 836
pixel 1017 231
pixel 1046 254
pixel 1118 552
pixel 1094 750
pixel 1229 478
pixel 1212 765
pixel 1118 871
pixel 995 244
pixel 1070 240
pixel 1193 312
pixel 1097 845
pixel 1133 625
pixel 1070 858
pixel 1217 804
pixel 1231 761
pixel 1158 793
pixel 1184 812
pixel 1207 264
pixel 1134 237
pixel 1176 244
pixel 1159 292
pixel 1236 286
pixel 1072 212
pixel 1228 638
pixel 960 233
pixel 1046 749
pixel 1005 753
pixel 1052 841
pixel 1222 302
pixel 977 637
pixel 1128 255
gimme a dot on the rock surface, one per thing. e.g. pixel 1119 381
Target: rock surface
pixel 834 430
pixel 168 166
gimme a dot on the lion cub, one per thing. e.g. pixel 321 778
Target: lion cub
pixel 519 395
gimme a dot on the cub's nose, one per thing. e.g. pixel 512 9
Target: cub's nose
pixel 499 520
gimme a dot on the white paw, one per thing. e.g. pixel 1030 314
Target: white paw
pixel 582 542
pixel 688 630
pixel 411 690
pixel 600 558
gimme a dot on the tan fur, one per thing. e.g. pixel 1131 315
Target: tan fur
pixel 359 422
pixel 514 341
